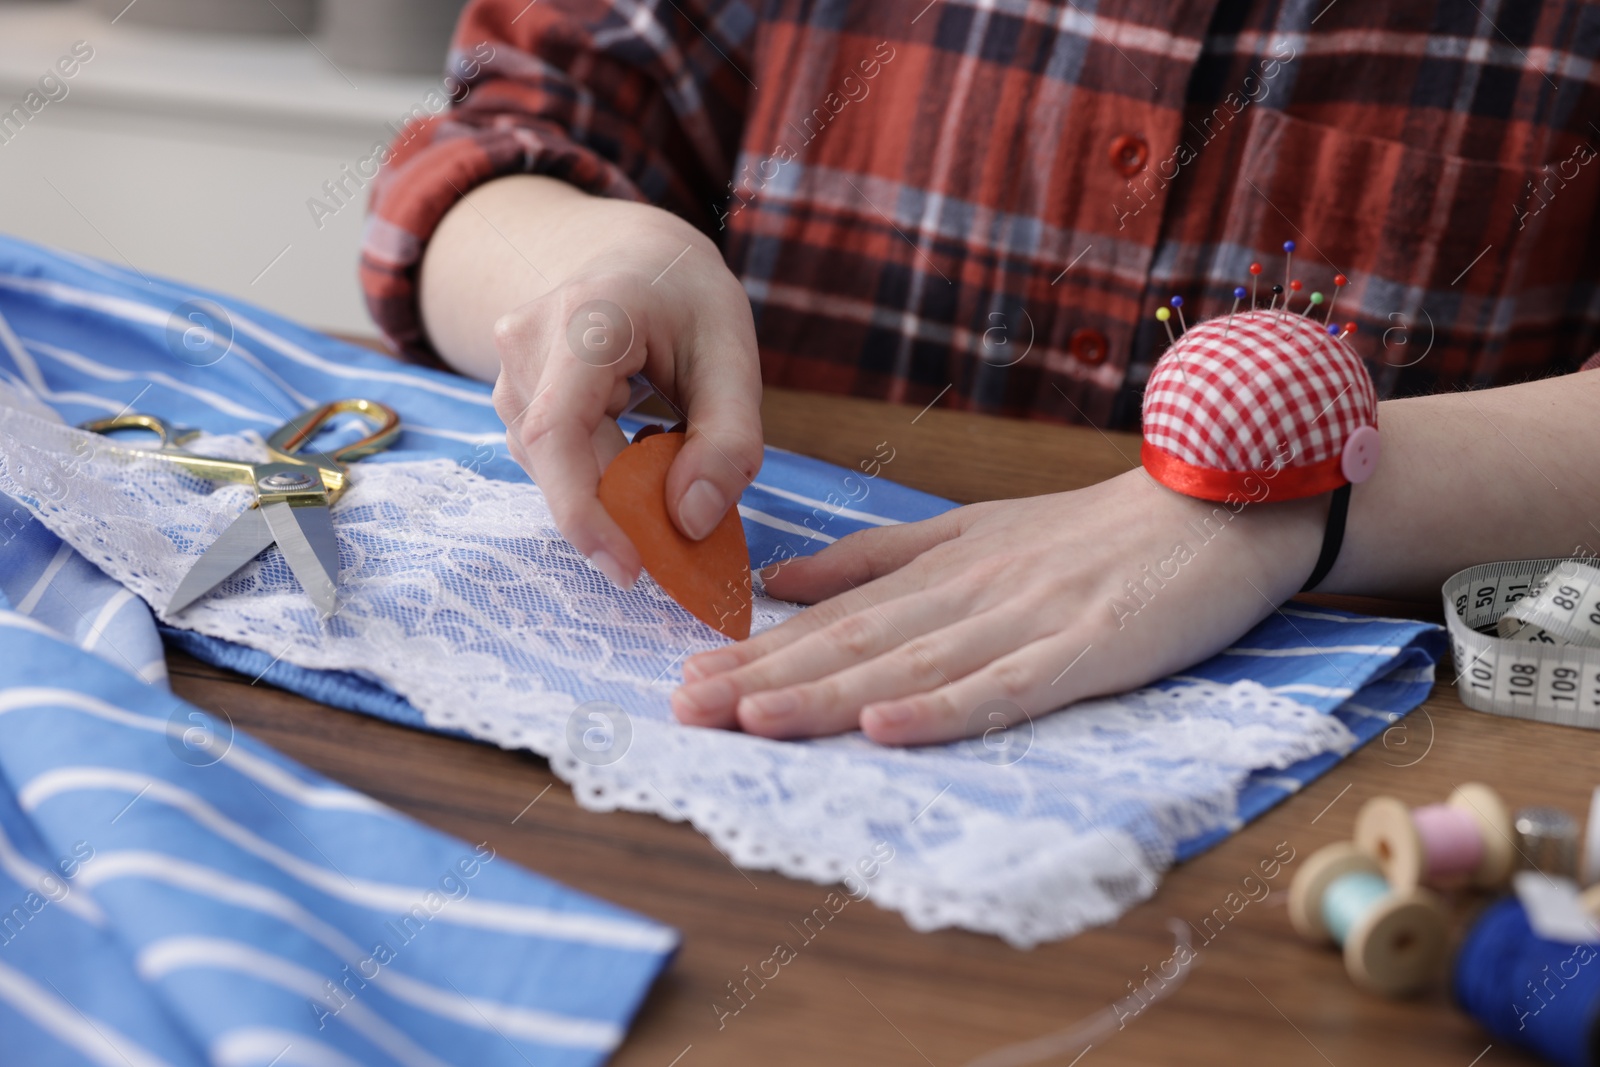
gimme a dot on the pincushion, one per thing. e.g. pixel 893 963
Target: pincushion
pixel 1258 404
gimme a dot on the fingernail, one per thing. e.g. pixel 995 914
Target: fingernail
pixel 701 509
pixel 773 706
pixel 890 714
pixel 607 564
pixel 708 663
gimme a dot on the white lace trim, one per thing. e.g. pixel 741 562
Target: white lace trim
pixel 460 595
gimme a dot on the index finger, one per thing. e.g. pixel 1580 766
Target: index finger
pixel 556 433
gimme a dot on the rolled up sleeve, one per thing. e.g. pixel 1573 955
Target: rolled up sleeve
pixel 635 99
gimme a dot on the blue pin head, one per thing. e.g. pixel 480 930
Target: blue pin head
pixel 1333 330
pixel 1239 293
pixel 1288 246
pixel 1177 301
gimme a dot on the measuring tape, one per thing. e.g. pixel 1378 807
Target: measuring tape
pixel 1542 659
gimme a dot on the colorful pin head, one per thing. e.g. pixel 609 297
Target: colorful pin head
pixel 1239 293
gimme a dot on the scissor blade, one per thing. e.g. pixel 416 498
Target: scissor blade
pixel 238 545
pixel 306 537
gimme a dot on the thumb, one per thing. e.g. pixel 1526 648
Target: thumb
pixel 857 559
pixel 720 392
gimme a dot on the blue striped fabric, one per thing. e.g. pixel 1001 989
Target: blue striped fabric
pixel 98 338
pixel 174 893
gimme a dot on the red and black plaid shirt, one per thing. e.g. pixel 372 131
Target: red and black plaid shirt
pixel 985 203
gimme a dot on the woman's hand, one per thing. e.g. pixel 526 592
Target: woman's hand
pixel 624 289
pixel 1033 603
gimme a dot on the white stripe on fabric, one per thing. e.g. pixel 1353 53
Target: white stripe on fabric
pixel 848 513
pixel 161 958
pixel 12 343
pixel 26 873
pixel 264 1046
pixel 103 617
pixel 545 1027
pixel 88 400
pixel 1315 650
pixel 132 310
pixel 294 352
pixel 1371 713
pixel 763 519
pixel 1313 690
pixel 333 797
pixel 94 1038
pixel 1329 617
pixel 1283 782
pixel 508 918
pixel 23 622
pixel 105 373
pixel 30 600
pixel 153 673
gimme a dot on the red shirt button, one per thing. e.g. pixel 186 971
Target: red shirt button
pixel 1088 346
pixel 1129 153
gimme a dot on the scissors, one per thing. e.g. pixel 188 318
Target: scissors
pixel 293 495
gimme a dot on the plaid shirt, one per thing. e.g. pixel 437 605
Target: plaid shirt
pixel 984 204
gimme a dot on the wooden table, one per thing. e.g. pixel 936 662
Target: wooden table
pixel 869 990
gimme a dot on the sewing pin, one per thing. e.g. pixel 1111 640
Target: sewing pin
pixel 1288 259
pixel 1277 291
pixel 1255 273
pixel 1316 301
pixel 1339 282
pixel 1294 287
pixel 1238 295
pixel 1165 318
pixel 1349 328
pixel 1177 303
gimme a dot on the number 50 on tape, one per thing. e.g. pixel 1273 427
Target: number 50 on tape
pixel 1526 636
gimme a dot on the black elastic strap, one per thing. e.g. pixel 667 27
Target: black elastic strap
pixel 1332 537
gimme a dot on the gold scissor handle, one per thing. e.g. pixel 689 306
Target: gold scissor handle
pixel 170 438
pixel 226 470
pixel 293 435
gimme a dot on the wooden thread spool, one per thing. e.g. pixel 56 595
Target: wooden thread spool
pixel 1393 939
pixel 1464 841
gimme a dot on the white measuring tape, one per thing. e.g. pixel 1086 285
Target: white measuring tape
pixel 1542 660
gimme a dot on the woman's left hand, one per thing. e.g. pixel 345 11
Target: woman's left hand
pixel 925 631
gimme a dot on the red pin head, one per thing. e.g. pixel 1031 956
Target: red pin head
pixel 1295 285
pixel 1340 280
pixel 1255 268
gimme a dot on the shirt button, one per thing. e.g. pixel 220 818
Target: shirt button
pixel 1088 346
pixel 1129 154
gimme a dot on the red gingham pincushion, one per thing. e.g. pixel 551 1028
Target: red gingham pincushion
pixel 1259 398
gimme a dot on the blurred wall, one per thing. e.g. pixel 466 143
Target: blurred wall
pixel 194 155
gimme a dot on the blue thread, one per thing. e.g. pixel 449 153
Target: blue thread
pixel 1541 995
pixel 1349 898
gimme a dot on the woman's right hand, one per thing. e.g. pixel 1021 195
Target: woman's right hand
pixel 644 293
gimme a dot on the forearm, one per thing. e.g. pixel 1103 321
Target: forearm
pixel 1468 478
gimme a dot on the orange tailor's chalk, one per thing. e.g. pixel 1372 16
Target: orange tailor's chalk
pixel 709 578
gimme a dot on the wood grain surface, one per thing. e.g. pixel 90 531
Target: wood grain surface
pixel 869 990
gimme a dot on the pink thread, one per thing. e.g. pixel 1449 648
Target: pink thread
pixel 1452 843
